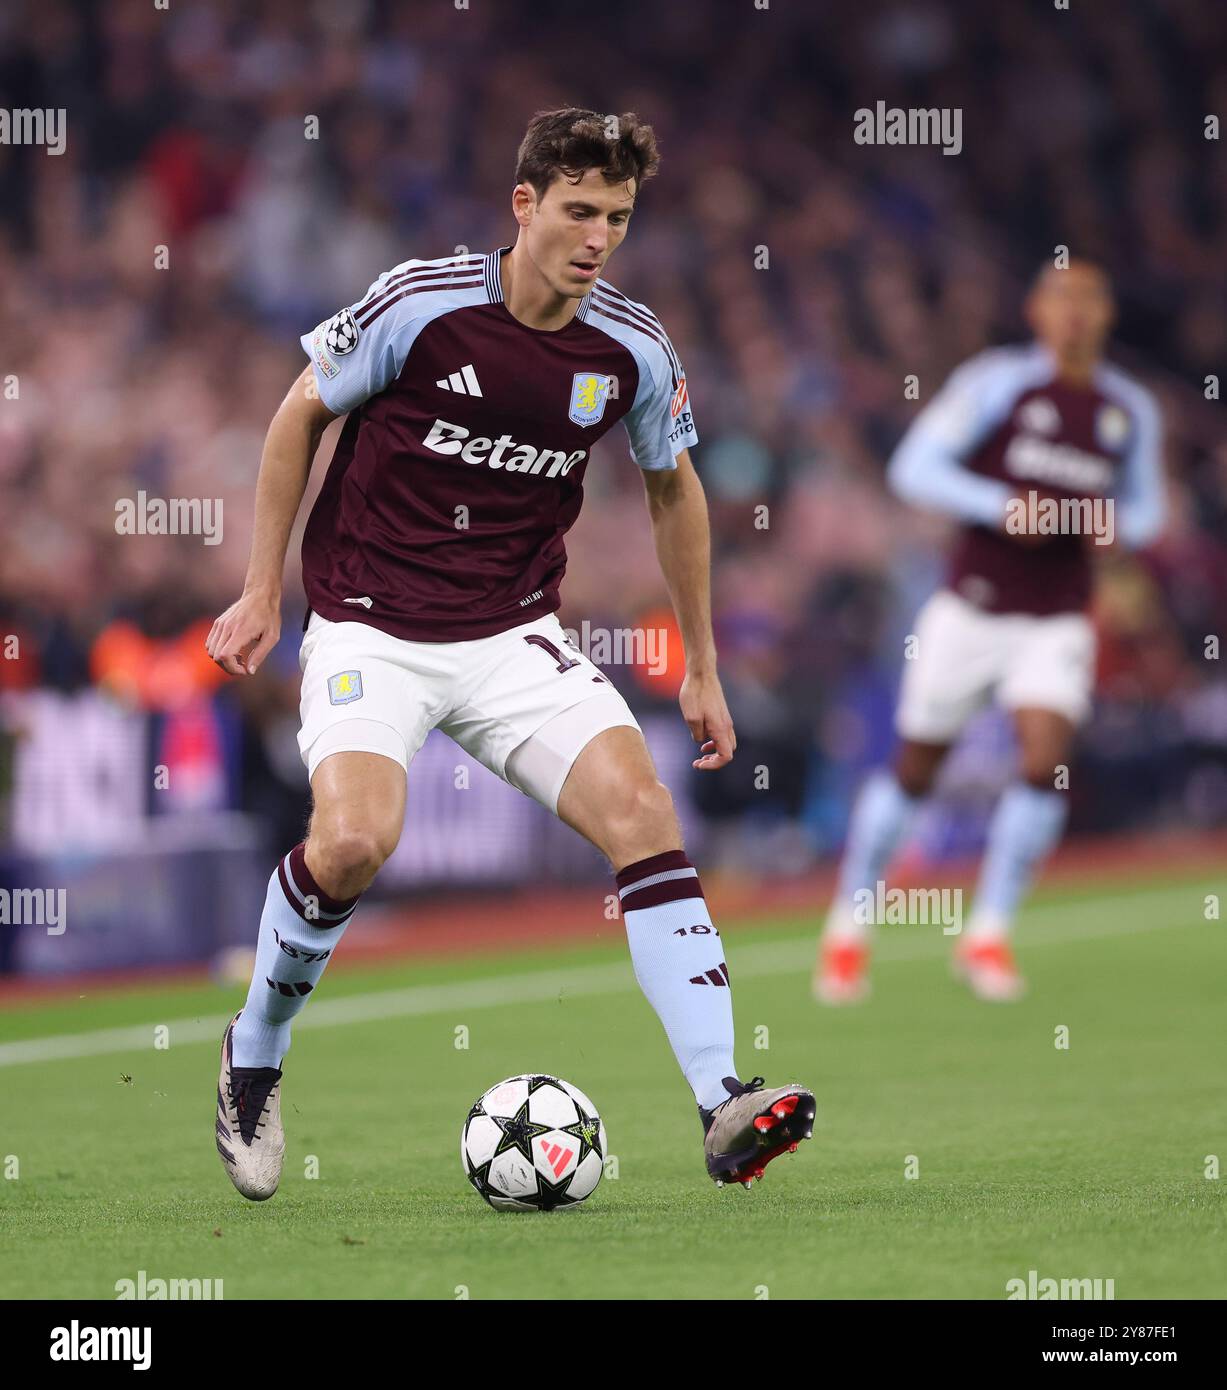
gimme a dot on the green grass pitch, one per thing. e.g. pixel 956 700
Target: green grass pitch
pixel 1083 1162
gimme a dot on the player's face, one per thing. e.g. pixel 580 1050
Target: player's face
pixel 575 228
pixel 1071 311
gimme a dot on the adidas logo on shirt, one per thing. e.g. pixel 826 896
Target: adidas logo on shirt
pixel 464 381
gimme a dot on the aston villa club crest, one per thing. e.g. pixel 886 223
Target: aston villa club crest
pixel 589 392
pixel 1111 427
pixel 345 688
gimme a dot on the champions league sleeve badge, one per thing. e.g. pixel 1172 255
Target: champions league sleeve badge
pixel 341 333
pixel 589 392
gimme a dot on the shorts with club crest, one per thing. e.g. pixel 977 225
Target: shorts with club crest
pixel 524 702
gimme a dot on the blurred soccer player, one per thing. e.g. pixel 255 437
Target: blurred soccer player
pixel 475 388
pixel 1023 446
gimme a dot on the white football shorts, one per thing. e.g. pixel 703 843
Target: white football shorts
pixel 524 702
pixel 964 657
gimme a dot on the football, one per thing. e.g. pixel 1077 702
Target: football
pixel 533 1143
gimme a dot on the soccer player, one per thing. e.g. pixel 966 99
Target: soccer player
pixel 1041 453
pixel 474 388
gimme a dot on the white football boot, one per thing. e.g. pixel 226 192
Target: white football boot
pixel 752 1126
pixel 250 1138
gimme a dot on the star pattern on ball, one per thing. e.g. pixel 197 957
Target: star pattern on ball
pixel 518 1132
pixel 551 1195
pixel 587 1130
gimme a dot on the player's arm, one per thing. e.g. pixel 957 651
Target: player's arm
pixel 678 508
pixel 1140 500
pixel 248 630
pixel 353 357
pixel 928 468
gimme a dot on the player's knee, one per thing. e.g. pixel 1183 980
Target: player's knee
pixel 346 856
pixel 1042 773
pixel 915 775
pixel 654 807
pixel 639 816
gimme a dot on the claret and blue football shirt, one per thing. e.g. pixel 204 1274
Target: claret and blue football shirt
pixel 460 467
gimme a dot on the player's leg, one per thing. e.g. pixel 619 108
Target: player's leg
pixel 615 800
pixel 946 678
pixel 365 713
pixel 1047 691
pixel 882 814
pixel 916 766
pixel 1027 822
pixel 613 797
pixel 589 764
pixel 551 725
pixel 362 721
pixel 1025 827
pixel 358 809
pixel 359 804
pixel 883 811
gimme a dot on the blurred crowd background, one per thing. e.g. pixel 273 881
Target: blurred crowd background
pixel 154 279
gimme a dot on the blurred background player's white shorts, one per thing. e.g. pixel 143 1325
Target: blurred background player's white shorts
pixel 364 690
pixel 964 657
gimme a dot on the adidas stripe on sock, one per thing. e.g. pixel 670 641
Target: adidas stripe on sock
pixel 679 963
pixel 299 930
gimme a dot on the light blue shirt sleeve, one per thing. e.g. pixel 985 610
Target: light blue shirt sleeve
pixel 362 349
pixel 660 423
pixel 1140 499
pixel 927 468
pixel 351 362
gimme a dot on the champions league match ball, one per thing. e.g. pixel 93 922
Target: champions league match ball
pixel 533 1143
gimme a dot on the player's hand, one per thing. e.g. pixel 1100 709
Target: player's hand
pixel 709 721
pixel 245 633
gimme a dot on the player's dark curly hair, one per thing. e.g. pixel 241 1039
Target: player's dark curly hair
pixel 572 140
